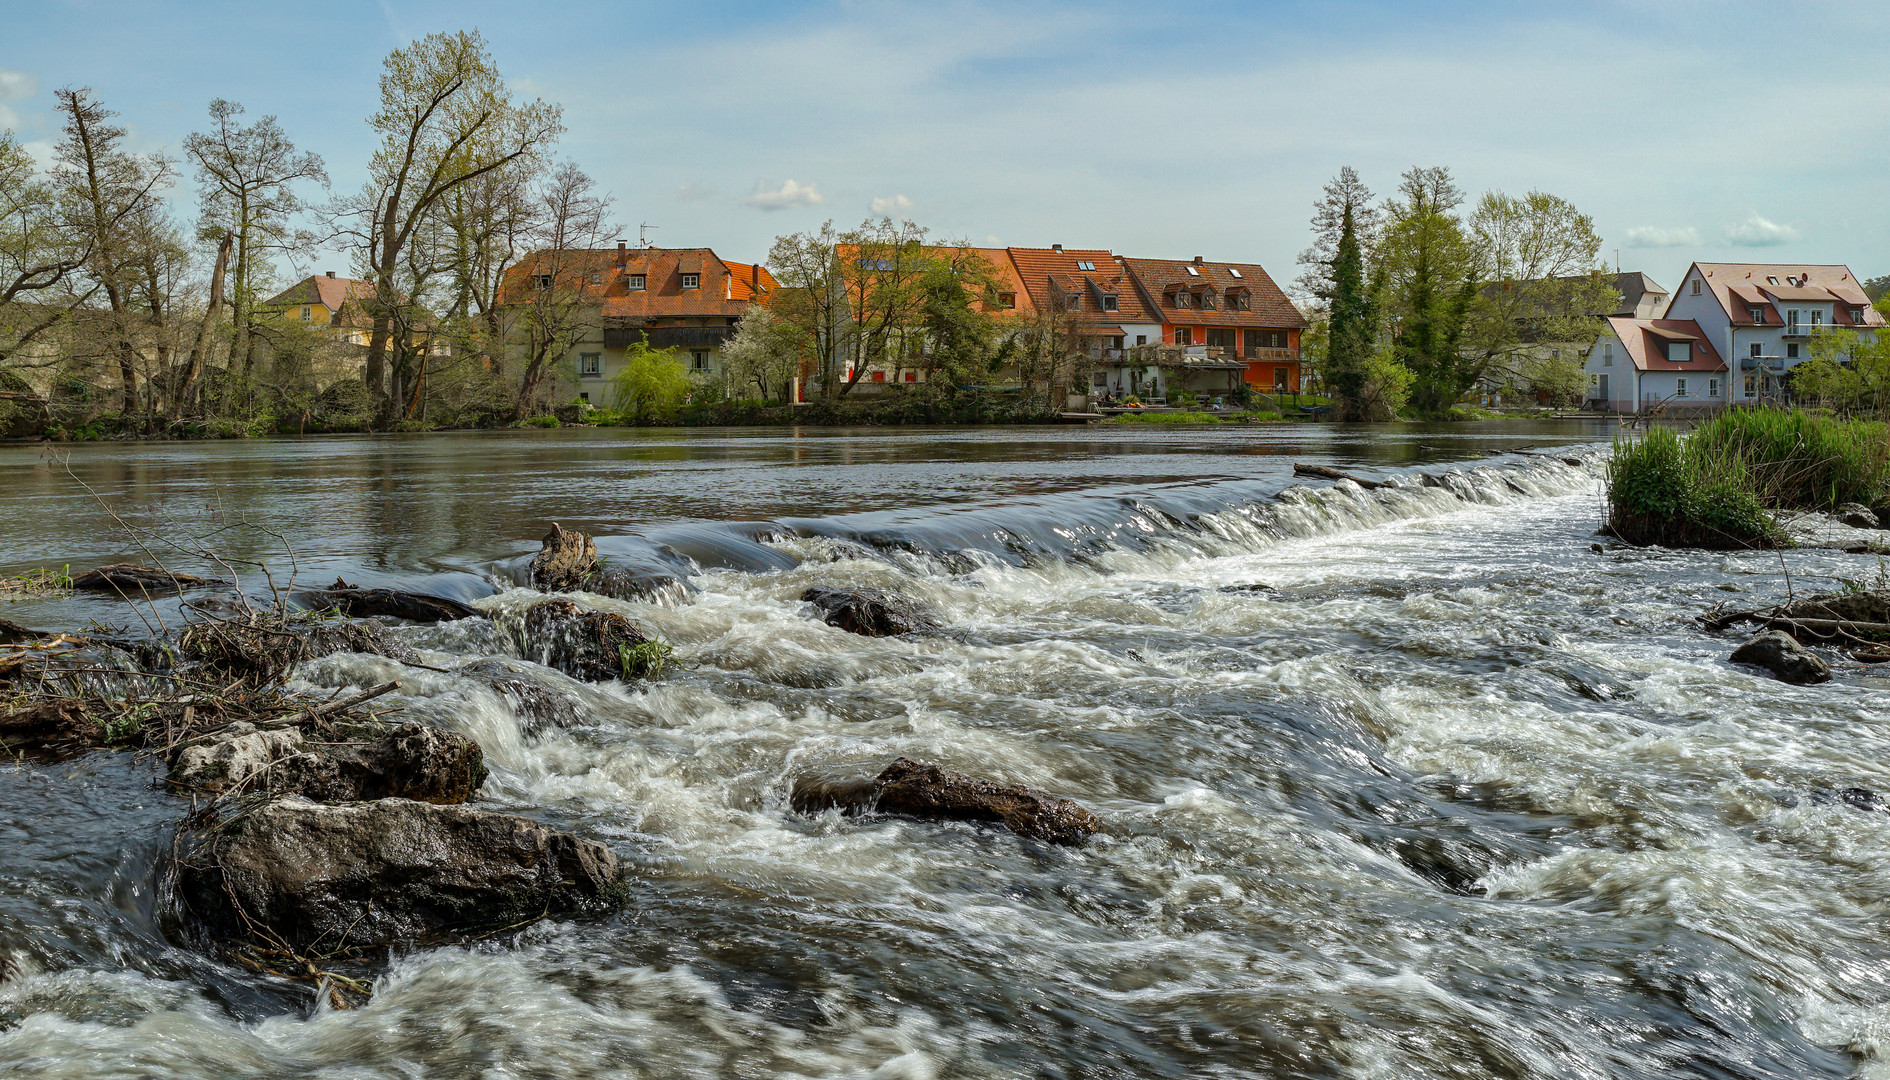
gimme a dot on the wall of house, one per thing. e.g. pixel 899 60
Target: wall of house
pixel 1702 390
pixel 1608 356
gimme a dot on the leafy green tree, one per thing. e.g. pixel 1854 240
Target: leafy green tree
pixel 962 341
pixel 651 383
pixel 764 355
pixel 1847 369
pixel 1538 259
pixel 1427 269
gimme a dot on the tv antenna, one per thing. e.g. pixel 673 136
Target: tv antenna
pixel 643 239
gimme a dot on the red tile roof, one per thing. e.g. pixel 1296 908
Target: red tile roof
pixel 1268 306
pixel 329 292
pixel 1815 282
pixel 1645 341
pixel 1038 267
pixel 724 289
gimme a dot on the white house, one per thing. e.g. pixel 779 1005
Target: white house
pixel 1762 316
pixel 1637 365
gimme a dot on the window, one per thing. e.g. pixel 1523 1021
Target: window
pixel 1102 378
pixel 1712 388
pixel 1182 336
pixel 1768 281
pixel 585 398
pixel 1607 354
pixel 1141 339
pixel 1679 352
pixel 1207 299
pixel 1752 385
pixel 590 365
pixel 307 315
pixel 1791 351
pixel 1233 271
pixel 1238 301
pixel 1007 300
pixel 1857 316
pixel 1696 286
pixel 1755 349
pixel 692 281
pixel 1192 272
pixel 1115 342
pixel 699 359
pixel 633 282
pixel 876 264
pixel 1085 264
pixel 1817 318
pixel 1109 301
pixel 543 281
pixel 1072 302
pixel 597 278
pixel 1680 387
pixel 1279 379
pixel 1758 315
pixel 1181 299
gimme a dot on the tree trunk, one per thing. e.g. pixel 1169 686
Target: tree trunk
pixel 187 385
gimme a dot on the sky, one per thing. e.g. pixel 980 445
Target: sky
pixel 1715 131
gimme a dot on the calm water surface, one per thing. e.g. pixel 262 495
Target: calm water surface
pixel 1410 783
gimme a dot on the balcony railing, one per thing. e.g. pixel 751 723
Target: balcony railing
pixel 1798 329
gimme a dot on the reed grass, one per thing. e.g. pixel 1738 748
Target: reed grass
pixel 1181 418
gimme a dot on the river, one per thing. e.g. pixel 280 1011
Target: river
pixel 1410 783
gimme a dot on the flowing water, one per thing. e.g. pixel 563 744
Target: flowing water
pixel 1404 783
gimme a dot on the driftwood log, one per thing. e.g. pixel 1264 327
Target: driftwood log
pixel 361 603
pixel 128 580
pixel 1326 472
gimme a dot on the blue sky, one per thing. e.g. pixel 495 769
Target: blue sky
pixel 1690 130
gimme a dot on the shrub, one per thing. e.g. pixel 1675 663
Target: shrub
pixel 1175 418
pixel 1799 460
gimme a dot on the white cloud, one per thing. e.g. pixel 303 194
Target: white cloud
pixel 1756 231
pixel 1654 236
pixel 14 86
pixel 891 203
pixel 788 194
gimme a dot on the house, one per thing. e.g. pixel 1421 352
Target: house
pixel 1222 317
pixel 904 359
pixel 687 299
pixel 1762 316
pixel 1637 365
pixel 325 300
pixel 1106 313
pixel 1551 331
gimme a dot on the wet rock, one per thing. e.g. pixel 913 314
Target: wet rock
pixel 359 603
pixel 132 582
pixel 595 646
pixel 868 612
pixel 360 761
pixel 383 873
pixel 568 562
pixel 12 633
pixel 920 790
pixel 1858 516
pixel 1787 660
pixel 536 705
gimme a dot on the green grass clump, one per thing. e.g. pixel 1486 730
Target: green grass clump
pixel 1719 487
pixel 1798 460
pixel 1163 418
pixel 644 661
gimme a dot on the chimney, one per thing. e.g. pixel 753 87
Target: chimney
pixel 1056 247
pixel 1197 260
pixel 331 273
pixel 620 245
pixel 754 278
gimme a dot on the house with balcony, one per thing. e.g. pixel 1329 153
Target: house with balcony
pixel 1640 365
pixel 686 299
pixel 1227 323
pixel 1107 316
pixel 1761 316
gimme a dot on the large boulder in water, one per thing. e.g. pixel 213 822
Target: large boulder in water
pixel 362 761
pixel 382 873
pixel 1780 654
pixel 595 646
pixel 869 612
pixel 1858 516
pixel 568 562
pixel 921 790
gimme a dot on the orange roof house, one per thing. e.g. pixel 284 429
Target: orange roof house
pixel 1639 364
pixel 1761 316
pixel 1233 309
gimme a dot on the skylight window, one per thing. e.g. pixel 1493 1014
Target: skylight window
pixel 1085 264
pixel 1192 272
pixel 1233 271
pixel 1771 281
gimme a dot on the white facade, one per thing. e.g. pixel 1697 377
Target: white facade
pixel 1617 384
pixel 1757 354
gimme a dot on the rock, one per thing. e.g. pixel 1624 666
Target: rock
pixel 1787 660
pixel 389 603
pixel 568 562
pixel 363 761
pixel 595 646
pixel 1858 516
pixel 536 705
pixel 920 790
pixel 869 612
pixel 383 873
pixel 133 582
pixel 13 633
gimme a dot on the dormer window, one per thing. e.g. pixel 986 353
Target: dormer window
pixel 1007 300
pixel 542 281
pixel 1072 302
pixel 633 282
pixel 692 281
pixel 1109 301
pixel 1181 299
pixel 1679 352
pixel 1085 264
pixel 597 278
pixel 1758 315
pixel 1207 299
pixel 1857 316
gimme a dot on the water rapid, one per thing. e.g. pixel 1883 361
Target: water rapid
pixel 1397 783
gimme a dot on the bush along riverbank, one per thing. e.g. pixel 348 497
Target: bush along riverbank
pixel 1726 484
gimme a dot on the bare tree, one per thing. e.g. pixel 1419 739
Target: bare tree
pixel 111 191
pixel 41 254
pixel 553 288
pixel 247 179
pixel 446 119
